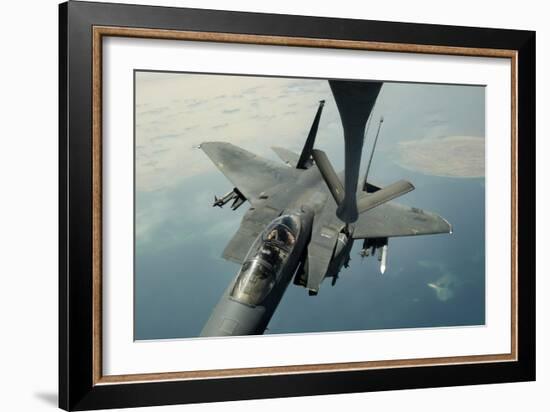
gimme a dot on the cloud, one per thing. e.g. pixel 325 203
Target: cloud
pixel 191 103
pixel 180 111
pixel 220 126
pixel 443 287
pixel 153 112
pixel 166 136
pixel 446 284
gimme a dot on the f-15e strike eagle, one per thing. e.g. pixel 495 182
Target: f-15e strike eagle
pixel 302 220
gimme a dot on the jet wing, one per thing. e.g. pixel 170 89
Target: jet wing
pixel 393 219
pixel 240 243
pixel 254 221
pixel 251 174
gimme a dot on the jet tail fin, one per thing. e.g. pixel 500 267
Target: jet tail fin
pixel 305 158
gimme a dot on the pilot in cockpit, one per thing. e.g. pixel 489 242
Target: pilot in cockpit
pixel 269 254
pixel 278 241
pixel 280 234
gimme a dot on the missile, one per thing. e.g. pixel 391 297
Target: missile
pixel 220 201
pixel 383 258
pixel 237 202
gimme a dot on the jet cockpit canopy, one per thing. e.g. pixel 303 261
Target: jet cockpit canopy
pixel 267 256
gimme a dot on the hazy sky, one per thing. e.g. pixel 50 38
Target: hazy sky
pixel 431 280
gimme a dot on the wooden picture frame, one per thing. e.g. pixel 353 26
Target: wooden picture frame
pixel 83 26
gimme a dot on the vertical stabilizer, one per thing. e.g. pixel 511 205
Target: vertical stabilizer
pixel 305 158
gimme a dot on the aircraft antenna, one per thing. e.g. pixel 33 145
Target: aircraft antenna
pixel 368 125
pixel 372 151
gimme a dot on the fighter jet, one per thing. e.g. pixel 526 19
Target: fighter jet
pixel 302 221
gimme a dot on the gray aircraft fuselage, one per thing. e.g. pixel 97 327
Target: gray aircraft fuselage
pixel 303 200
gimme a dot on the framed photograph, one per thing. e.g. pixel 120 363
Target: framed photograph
pixel 256 205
